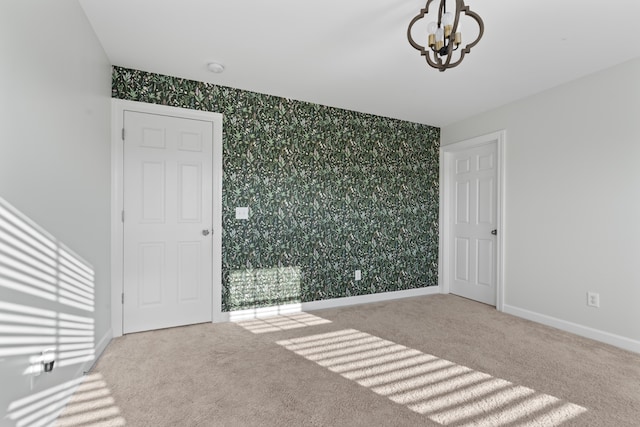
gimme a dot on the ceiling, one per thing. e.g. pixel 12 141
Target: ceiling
pixel 354 54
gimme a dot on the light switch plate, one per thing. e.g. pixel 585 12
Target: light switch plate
pixel 242 213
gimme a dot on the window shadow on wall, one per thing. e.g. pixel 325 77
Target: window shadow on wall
pixel 47 302
pixel 263 287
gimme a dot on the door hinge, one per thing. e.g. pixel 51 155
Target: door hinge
pixel 122 216
pixel 123 134
pixel 123 297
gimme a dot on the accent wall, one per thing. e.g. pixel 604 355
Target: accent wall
pixel 329 192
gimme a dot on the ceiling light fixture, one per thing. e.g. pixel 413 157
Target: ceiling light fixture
pixel 214 67
pixel 445 35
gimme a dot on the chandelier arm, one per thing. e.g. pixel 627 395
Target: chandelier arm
pixel 413 21
pixel 459 8
pixel 433 63
pixel 455 64
pixel 444 65
pixel 450 40
pixel 468 47
pixel 468 12
pixel 478 20
pixel 449 45
pixel 421 15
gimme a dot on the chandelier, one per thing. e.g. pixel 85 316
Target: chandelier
pixel 445 35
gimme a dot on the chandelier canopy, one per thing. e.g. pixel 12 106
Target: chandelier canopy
pixel 444 36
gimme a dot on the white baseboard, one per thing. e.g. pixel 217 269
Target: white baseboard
pixel 253 313
pixel 366 299
pixel 574 328
pixel 98 350
pixel 103 343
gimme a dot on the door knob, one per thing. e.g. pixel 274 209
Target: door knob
pixel 494 232
pixel 205 232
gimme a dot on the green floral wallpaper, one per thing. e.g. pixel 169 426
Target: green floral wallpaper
pixel 330 191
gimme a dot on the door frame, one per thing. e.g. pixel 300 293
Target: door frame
pixel 118 107
pixel 446 214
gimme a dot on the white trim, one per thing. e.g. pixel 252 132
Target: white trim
pixel 574 328
pixel 97 351
pixel 254 313
pixel 116 225
pixel 499 138
pixel 118 106
pixel 102 344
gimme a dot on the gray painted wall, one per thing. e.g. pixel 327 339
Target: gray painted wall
pixel 55 86
pixel 572 205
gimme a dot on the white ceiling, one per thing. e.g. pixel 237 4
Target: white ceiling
pixel 354 54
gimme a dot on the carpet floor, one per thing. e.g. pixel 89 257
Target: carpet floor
pixel 437 360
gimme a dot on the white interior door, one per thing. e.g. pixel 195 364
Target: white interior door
pixel 473 221
pixel 167 186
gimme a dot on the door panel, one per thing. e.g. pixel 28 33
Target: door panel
pixel 462 202
pixel 485 262
pixel 473 252
pixel 189 266
pixel 151 263
pixel 190 189
pixel 168 197
pixel 486 200
pixel 462 260
pixel 152 194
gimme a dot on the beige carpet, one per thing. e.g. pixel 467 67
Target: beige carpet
pixel 435 360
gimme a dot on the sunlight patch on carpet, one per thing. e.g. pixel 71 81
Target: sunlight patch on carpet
pixel 84 401
pixel 282 323
pixel 445 392
pixel 91 405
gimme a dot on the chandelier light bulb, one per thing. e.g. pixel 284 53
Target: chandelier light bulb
pixel 439 34
pixel 432 27
pixel 447 19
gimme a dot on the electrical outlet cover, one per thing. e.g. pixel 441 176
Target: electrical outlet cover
pixel 593 299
